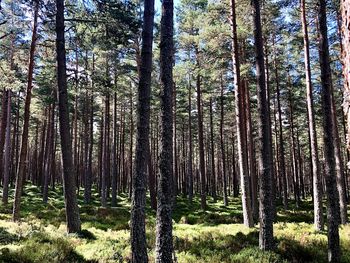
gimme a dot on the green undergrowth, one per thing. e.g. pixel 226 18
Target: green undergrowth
pixel 216 235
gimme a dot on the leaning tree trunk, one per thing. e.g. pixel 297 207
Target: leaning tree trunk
pixel 69 183
pixel 316 176
pixel 138 232
pixel 333 211
pixel 266 240
pixel 25 133
pixel 164 237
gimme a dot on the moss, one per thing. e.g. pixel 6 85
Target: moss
pixel 214 236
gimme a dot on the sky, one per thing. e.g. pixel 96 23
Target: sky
pixel 159 4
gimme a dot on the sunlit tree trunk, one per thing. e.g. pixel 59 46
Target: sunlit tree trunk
pixel 241 124
pixel 316 173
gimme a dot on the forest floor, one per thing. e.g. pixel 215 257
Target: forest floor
pixel 214 236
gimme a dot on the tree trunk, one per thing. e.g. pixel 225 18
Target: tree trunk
pixel 25 133
pixel 345 28
pixel 333 210
pixel 316 173
pixel 115 154
pixel 222 144
pixel 190 144
pixel 164 237
pixel 212 155
pixel 201 142
pixel 241 125
pixel 266 240
pixel 293 151
pixel 251 156
pixel 3 124
pixel 71 205
pixel 7 156
pixel 138 232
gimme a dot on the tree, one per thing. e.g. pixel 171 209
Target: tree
pixel 24 144
pixel 138 234
pixel 345 11
pixel 266 241
pixel 7 150
pixel 241 124
pixel 69 184
pixel 333 210
pixel 317 185
pixel 164 237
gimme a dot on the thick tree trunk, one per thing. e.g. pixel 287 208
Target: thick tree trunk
pixel 316 173
pixel 164 237
pixel 71 204
pixel 266 240
pixel 333 211
pixel 21 172
pixel 138 232
pixel 345 33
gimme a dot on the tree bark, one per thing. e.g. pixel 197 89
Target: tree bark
pixel 345 33
pixel 316 173
pixel 164 237
pixel 7 156
pixel 212 154
pixel 333 211
pixel 3 130
pixel 69 183
pixel 241 125
pixel 25 133
pixel 138 232
pixel 266 240
pixel 201 142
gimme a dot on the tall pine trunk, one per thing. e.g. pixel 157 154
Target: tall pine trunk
pixel 138 232
pixel 21 172
pixel 316 173
pixel 7 153
pixel 69 183
pixel 241 125
pixel 164 237
pixel 333 210
pixel 266 240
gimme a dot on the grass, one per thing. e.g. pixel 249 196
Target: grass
pixel 216 235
